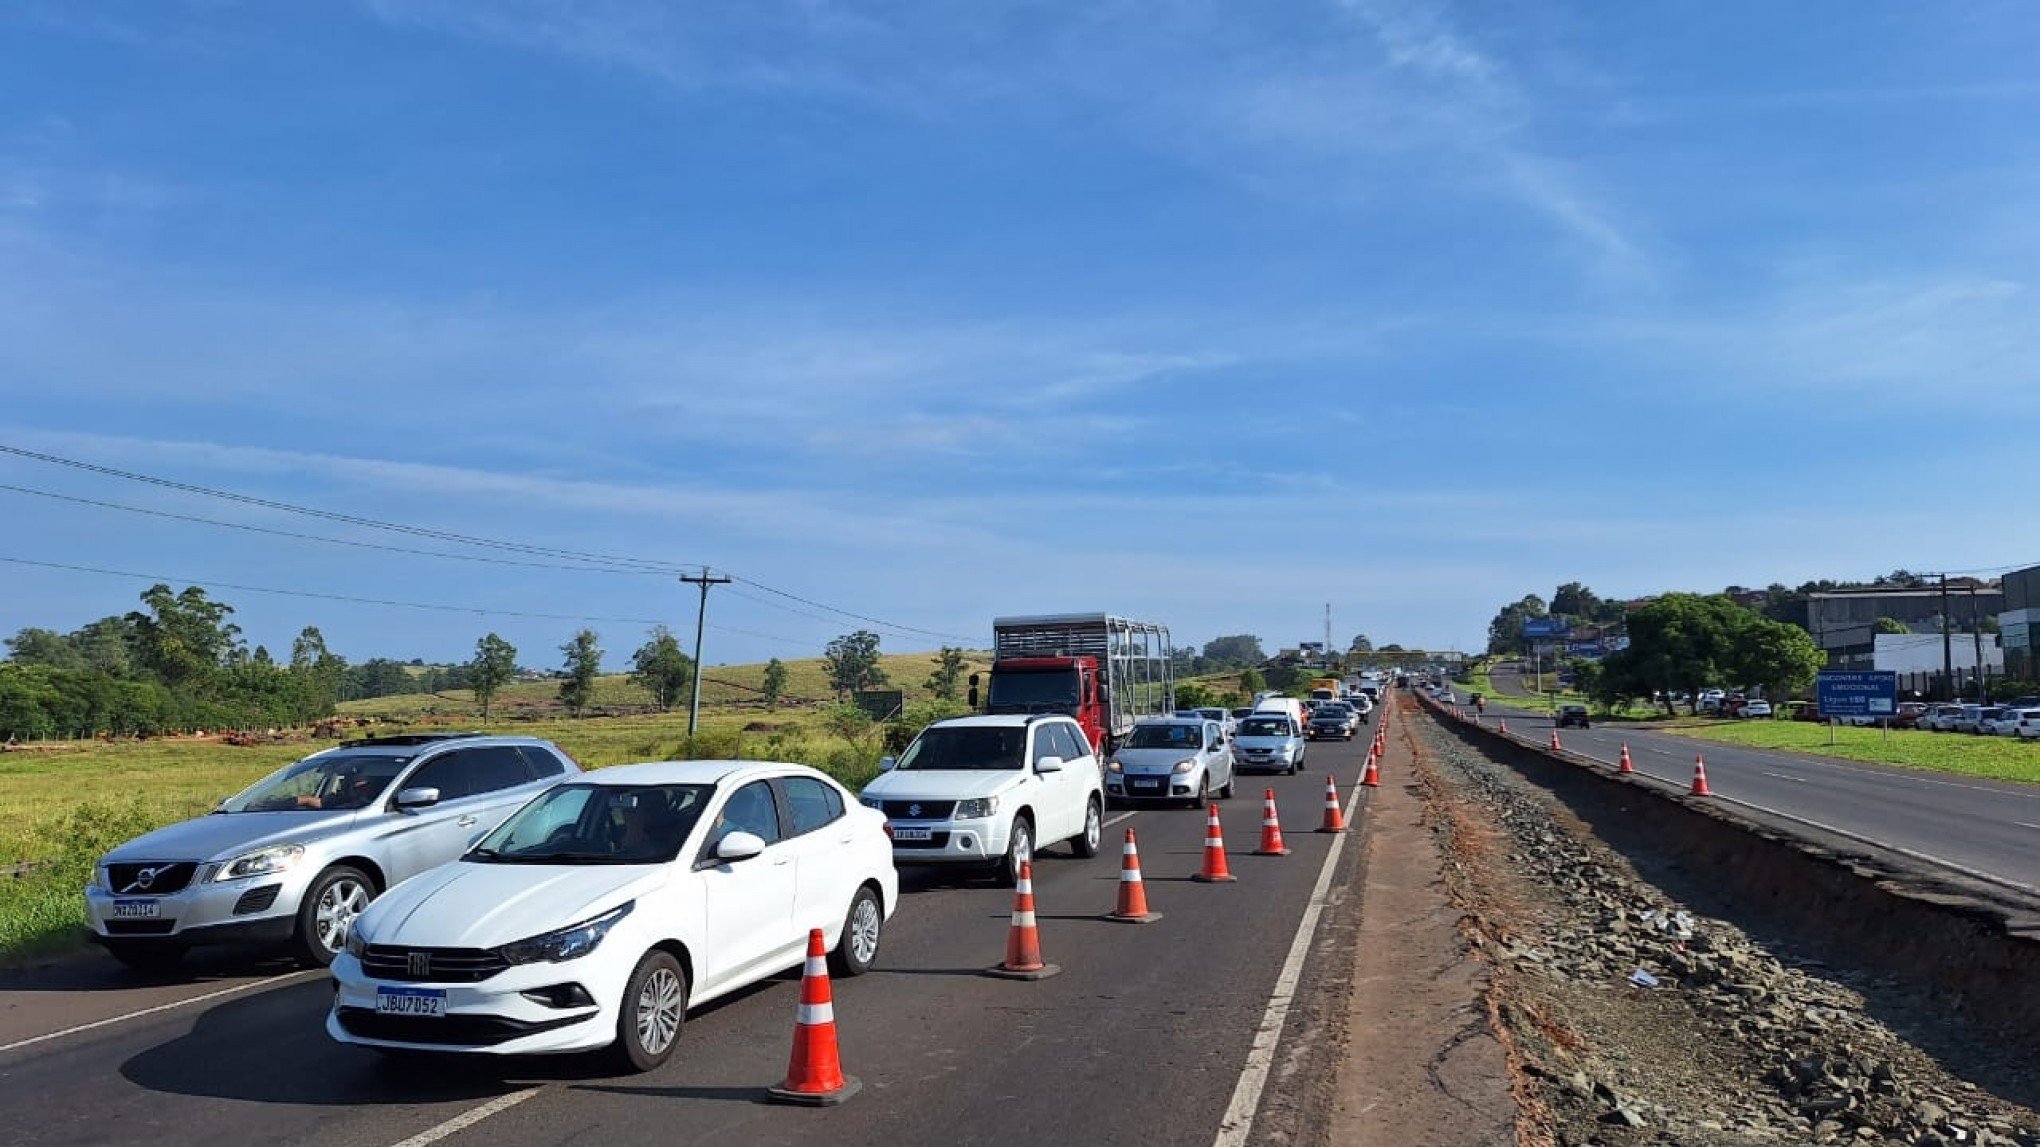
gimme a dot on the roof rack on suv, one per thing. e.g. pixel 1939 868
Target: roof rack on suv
pixel 407 739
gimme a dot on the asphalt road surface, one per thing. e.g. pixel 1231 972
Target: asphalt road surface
pixel 1144 1037
pixel 1976 825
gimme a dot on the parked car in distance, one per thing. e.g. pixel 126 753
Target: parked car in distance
pixel 1573 715
pixel 293 858
pixel 1171 759
pixel 1971 718
pixel 1908 715
pixel 1939 718
pixel 991 790
pixel 1756 708
pixel 1225 719
pixel 2029 724
pixel 1802 711
pixel 602 911
pixel 1269 742
pixel 2004 724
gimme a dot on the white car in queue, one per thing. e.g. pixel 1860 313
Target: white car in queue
pixel 600 912
pixel 991 791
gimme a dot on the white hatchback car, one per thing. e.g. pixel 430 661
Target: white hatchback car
pixel 600 912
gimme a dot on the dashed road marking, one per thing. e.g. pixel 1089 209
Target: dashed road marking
pixel 171 1006
pixel 468 1118
pixel 1784 777
pixel 1116 819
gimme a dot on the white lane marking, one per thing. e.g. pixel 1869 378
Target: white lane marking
pixel 1238 1121
pixel 2023 824
pixel 1784 776
pixel 1116 820
pixel 469 1118
pixel 171 1006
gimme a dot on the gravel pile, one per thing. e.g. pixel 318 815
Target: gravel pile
pixel 1642 1022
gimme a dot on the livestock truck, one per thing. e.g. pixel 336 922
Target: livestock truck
pixel 1105 671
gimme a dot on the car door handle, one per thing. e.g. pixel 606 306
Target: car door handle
pixel 465 822
pixel 781 860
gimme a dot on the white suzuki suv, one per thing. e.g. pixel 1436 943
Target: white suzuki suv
pixel 991 790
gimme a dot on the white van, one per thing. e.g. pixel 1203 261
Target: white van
pixel 1287 706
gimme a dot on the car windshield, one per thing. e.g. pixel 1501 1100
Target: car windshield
pixel 966 747
pixel 1265 727
pixel 1165 737
pixel 597 824
pixel 1043 692
pixel 329 781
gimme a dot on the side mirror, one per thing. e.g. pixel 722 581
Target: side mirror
pixel 417 798
pixel 739 845
pixel 1049 765
pixel 887 764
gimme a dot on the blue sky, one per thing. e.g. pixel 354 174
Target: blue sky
pixel 1211 313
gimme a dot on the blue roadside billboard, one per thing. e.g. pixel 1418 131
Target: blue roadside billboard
pixel 1546 627
pixel 1857 693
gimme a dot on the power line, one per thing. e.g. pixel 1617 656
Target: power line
pixel 478 610
pixel 320 538
pixel 620 563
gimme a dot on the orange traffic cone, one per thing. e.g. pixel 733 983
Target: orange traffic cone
pixel 1335 820
pixel 1023 939
pixel 1215 871
pixel 1555 746
pixel 1372 777
pixel 1133 907
pixel 1623 766
pixel 1271 829
pixel 815 1076
pixel 1504 726
pixel 1700 788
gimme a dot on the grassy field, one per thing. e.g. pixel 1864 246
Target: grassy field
pixel 63 804
pixel 2001 757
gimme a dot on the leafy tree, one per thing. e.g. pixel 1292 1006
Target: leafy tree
pixel 317 673
pixel 1234 651
pixel 852 662
pixel 1778 658
pixel 1505 632
pixel 947 679
pixel 1685 641
pixel 584 664
pixel 1283 676
pixel 775 682
pixel 184 636
pixel 849 722
pixel 1393 649
pixel 1890 625
pixel 661 669
pixel 1361 644
pixel 1194 695
pixel 495 661
pixel 1575 600
pixel 43 647
pixel 106 646
pixel 1253 681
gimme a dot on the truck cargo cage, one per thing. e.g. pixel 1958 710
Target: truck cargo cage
pixel 1133 654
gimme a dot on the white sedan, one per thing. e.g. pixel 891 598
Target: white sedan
pixel 598 914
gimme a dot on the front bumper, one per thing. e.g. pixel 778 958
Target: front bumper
pixel 493 1016
pixel 253 910
pixel 979 840
pixel 1269 764
pixel 1153 786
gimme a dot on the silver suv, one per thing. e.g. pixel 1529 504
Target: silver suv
pixel 296 856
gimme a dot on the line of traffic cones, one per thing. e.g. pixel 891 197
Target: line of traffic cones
pixel 1371 778
pixel 1335 819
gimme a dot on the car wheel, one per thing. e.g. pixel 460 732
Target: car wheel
pixel 653 1009
pixel 857 948
pixel 1203 796
pixel 1231 777
pixel 1019 850
pixel 147 955
pixel 1085 844
pixel 327 911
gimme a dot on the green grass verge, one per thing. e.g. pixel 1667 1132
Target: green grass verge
pixel 1999 757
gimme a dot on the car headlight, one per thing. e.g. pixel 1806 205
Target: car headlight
pixel 99 878
pixel 261 862
pixel 1184 766
pixel 872 802
pixel 569 943
pixel 976 807
pixel 1113 766
pixel 356 944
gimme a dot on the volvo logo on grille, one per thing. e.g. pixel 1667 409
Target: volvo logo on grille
pixel 419 963
pixel 144 878
pixel 913 810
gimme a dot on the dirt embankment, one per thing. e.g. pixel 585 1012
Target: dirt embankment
pixel 1636 1017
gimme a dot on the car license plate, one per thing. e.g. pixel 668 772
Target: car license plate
pixel 429 1002
pixel 899 833
pixel 1147 783
pixel 136 909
